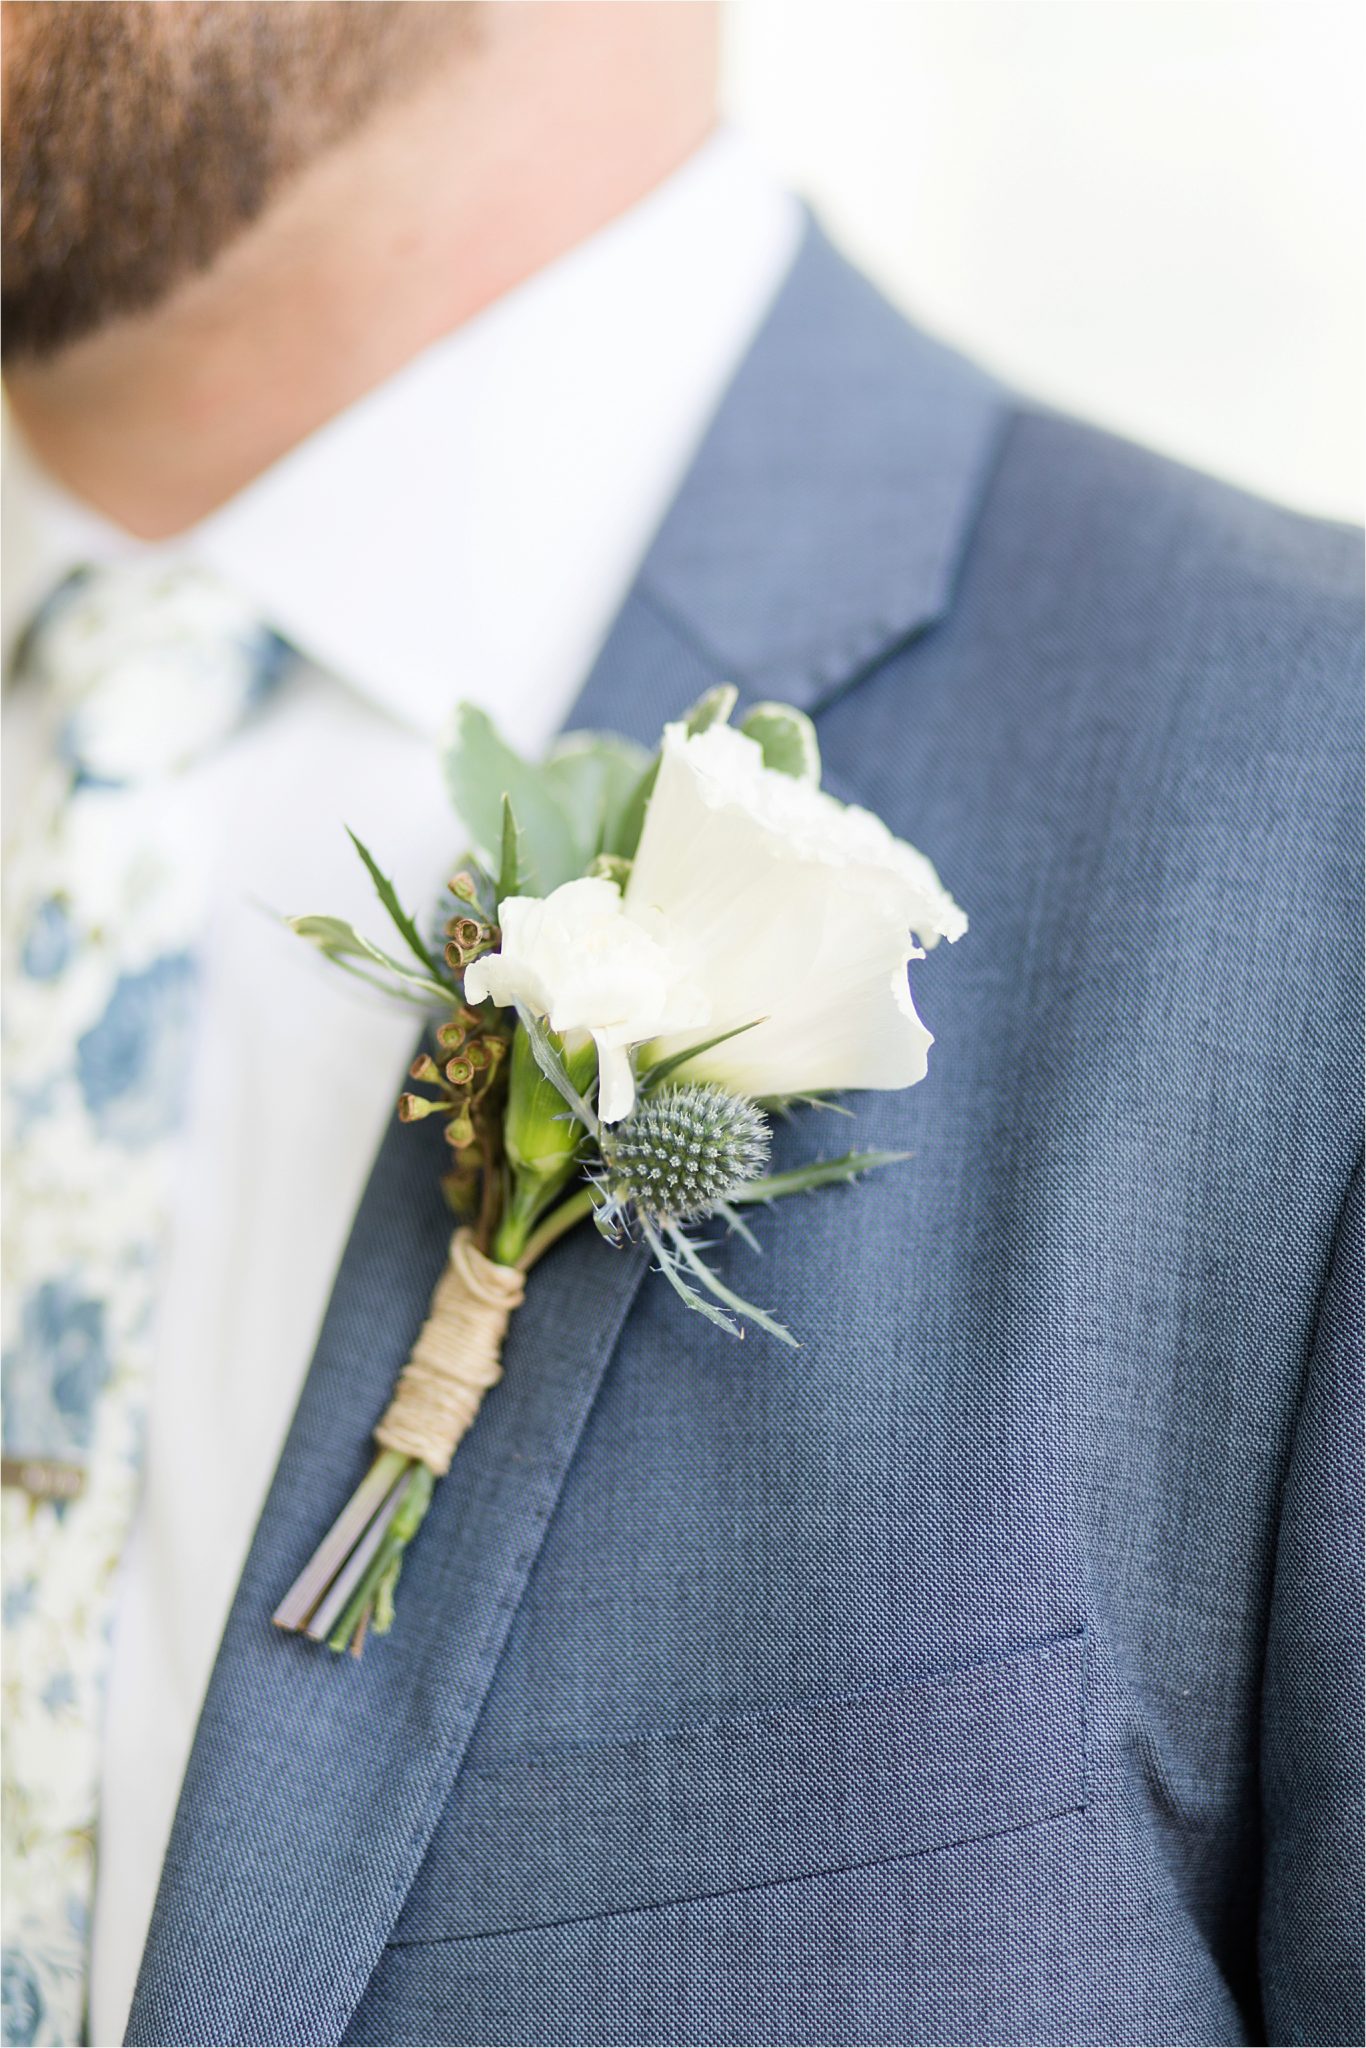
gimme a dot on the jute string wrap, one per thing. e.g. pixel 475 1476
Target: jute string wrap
pixel 456 1359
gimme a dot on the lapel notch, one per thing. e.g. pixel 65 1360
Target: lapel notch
pixel 825 515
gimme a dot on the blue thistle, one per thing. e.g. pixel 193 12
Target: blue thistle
pixel 684 1152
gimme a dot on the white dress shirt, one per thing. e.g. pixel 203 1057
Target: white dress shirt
pixel 467 530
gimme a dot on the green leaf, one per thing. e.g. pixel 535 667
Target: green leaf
pixel 783 1105
pixel 715 1285
pixel 819 1173
pixel 512 873
pixel 481 770
pixel 712 709
pixel 734 1221
pixel 341 942
pixel 539 1140
pixel 594 777
pixel 788 740
pixel 551 1063
pixel 388 896
pixel 689 1296
pixel 661 1070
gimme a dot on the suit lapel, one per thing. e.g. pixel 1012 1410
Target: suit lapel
pixel 826 514
pixel 315 1782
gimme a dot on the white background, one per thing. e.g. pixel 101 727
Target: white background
pixel 1147 211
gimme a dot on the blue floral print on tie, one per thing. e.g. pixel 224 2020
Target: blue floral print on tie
pixel 49 941
pixel 132 1063
pixel 59 1692
pixel 271 658
pixel 53 1376
pixel 21 1999
pixel 19 1602
pixel 144 670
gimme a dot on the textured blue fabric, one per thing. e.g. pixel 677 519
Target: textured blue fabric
pixel 982 1672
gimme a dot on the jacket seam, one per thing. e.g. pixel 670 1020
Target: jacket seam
pixel 760 1721
pixel 763 1884
pixel 1306 1373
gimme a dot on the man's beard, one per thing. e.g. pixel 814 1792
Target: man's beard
pixel 141 136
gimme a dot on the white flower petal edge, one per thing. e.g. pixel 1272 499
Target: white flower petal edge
pixel 791 908
pixel 575 958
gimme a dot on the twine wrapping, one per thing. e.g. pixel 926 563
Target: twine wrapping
pixel 456 1359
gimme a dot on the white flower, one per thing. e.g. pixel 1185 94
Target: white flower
pixel 576 959
pixel 754 900
pixel 787 906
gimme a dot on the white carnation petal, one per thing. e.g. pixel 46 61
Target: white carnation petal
pixel 616 1082
pixel 576 959
pixel 479 978
pixel 795 909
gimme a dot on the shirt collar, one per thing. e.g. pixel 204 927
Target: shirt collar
pixel 470 527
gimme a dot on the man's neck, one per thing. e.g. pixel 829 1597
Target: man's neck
pixel 441 205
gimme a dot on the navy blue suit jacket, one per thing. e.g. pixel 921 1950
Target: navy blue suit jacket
pixel 986 1671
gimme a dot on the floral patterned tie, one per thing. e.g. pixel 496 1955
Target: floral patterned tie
pixel 139 670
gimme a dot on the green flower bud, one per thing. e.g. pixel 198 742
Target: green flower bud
pixel 540 1136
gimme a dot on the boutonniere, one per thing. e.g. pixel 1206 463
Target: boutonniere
pixel 646 957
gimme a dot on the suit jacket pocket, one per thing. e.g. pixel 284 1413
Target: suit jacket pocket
pixel 725 1805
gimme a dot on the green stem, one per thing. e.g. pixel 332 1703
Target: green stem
pixel 555 1226
pixel 515 1224
pixel 387 1466
pixel 405 1525
pixel 358 1606
pixel 519 1244
pixel 532 1194
pixel 311 1587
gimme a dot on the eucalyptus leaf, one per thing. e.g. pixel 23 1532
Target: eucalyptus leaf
pixel 394 990
pixel 481 770
pixel 788 740
pixel 713 708
pixel 594 777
